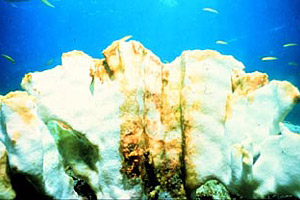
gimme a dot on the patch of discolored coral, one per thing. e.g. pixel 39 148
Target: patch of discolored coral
pixel 131 156
pixel 130 148
pixel 170 179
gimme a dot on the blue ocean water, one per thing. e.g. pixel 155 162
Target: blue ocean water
pixel 35 35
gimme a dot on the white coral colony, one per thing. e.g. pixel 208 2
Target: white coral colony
pixel 129 126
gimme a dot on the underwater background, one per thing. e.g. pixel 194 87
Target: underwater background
pixel 35 33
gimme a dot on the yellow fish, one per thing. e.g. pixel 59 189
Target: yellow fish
pixel 221 42
pixel 290 45
pixel 268 58
pixel 210 10
pixel 293 63
pixel 7 57
pixel 48 3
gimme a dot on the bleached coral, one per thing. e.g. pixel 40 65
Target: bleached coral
pixel 129 126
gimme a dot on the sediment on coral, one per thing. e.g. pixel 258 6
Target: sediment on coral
pixel 129 126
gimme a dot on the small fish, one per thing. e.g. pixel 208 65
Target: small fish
pixel 14 5
pixel 7 57
pixel 49 62
pixel 210 10
pixel 221 42
pixel 268 58
pixel 293 63
pixel 290 45
pixel 48 3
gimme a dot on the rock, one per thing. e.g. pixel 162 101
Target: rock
pixel 129 126
pixel 212 189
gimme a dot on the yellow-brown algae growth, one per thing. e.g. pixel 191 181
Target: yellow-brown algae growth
pixel 20 102
pixel 100 71
pixel 15 137
pixel 289 90
pixel 228 109
pixel 244 84
pixel 27 78
pixel 241 151
pixel 112 55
